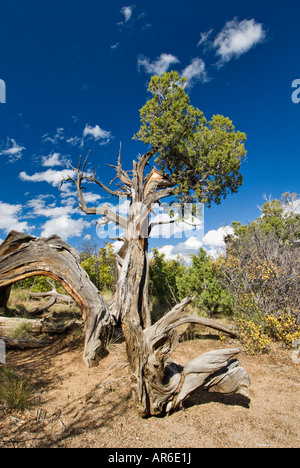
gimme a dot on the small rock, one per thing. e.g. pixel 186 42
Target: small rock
pixel 296 344
pixel 295 357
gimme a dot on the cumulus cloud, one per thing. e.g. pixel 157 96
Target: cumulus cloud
pixel 40 207
pixel 54 159
pixel 97 133
pixel 12 150
pixel 183 249
pixel 214 240
pixel 64 226
pixel 195 72
pixel 10 218
pixel 178 225
pixel 158 66
pixel 60 221
pixel 237 38
pixel 51 176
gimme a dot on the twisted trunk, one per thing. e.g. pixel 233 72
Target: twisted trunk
pixel 22 256
pixel 158 383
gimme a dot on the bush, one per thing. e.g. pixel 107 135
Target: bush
pixel 261 270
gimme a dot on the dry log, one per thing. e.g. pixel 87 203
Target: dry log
pixel 8 324
pixel 22 256
pixel 23 343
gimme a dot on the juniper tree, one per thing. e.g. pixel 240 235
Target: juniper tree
pixel 192 159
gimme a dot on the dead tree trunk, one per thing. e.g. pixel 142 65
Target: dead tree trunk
pixel 158 383
pixel 22 256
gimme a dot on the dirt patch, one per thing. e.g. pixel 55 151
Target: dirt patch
pixel 79 407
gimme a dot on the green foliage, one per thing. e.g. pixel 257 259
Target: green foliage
pixel 163 275
pixel 278 217
pixel 171 280
pixel 39 284
pixel 200 279
pixel 202 157
pixel 101 267
pixel 261 269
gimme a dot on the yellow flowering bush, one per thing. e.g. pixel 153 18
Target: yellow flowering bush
pixel 253 337
pixel 283 328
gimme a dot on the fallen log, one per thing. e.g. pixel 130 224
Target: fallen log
pixel 9 324
pixel 21 343
pixel 23 256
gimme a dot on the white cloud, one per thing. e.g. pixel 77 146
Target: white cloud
pixel 10 218
pixel 204 37
pixel 185 225
pixel 54 159
pixel 184 249
pixel 214 240
pixel 115 46
pixel 92 197
pixel 97 133
pixel 56 138
pixel 237 38
pixel 159 66
pixel 60 221
pixel 195 72
pixel 292 208
pixel 65 227
pixel 12 150
pixel 117 245
pixel 127 12
pixel 40 207
pixel 52 177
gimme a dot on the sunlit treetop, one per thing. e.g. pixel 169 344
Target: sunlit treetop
pixel 201 157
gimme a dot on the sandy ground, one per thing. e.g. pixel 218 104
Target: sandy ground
pixel 76 407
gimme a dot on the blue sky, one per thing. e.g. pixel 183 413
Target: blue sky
pixel 76 75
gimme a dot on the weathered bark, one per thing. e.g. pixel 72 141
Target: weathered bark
pixel 8 324
pixel 158 383
pixel 42 308
pixel 22 343
pixel 22 256
pixel 53 294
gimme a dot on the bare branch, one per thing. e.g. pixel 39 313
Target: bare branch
pixel 110 215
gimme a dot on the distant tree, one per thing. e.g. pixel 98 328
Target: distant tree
pixel 100 266
pixel 163 277
pixel 200 279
